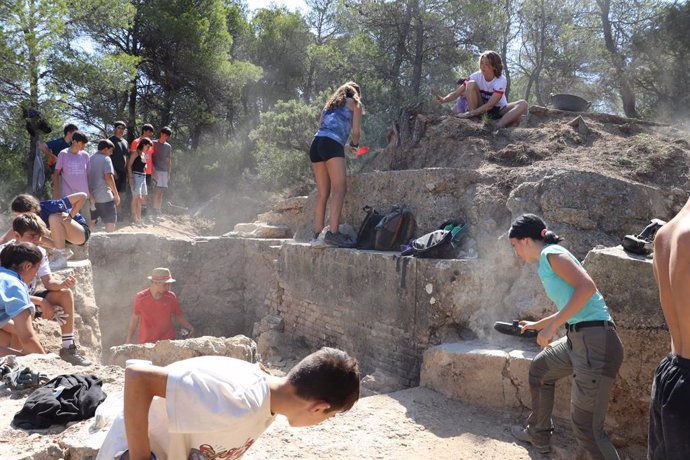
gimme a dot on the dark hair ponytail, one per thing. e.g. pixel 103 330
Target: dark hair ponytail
pixel 14 255
pixel 532 226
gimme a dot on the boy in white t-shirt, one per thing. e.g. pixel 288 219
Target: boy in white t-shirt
pixel 216 407
pixel 485 93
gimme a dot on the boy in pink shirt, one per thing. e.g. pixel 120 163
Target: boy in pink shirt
pixel 71 170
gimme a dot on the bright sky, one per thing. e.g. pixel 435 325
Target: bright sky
pixel 291 5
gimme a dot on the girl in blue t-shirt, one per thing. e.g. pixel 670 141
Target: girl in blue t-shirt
pixel 19 265
pixel 341 118
pixel 591 351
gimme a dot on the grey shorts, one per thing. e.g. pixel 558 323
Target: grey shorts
pixel 161 180
pixel 139 187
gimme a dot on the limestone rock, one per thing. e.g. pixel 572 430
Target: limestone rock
pixel 381 382
pixel 165 352
pixel 269 323
pixel 262 230
pixel 627 283
pixel 481 374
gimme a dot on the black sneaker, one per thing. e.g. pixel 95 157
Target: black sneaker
pixel 514 329
pixel 72 356
pixel 339 240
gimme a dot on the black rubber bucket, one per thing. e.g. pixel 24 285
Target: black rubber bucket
pixel 570 102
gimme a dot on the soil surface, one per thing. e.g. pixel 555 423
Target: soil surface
pixel 619 147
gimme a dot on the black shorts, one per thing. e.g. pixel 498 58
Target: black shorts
pixel 494 113
pixel 42 294
pixel 669 419
pixel 325 148
pixel 106 211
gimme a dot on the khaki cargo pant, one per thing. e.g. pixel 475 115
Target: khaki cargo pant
pixel 593 356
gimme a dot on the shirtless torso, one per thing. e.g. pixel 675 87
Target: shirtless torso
pixel 672 273
pixel 669 417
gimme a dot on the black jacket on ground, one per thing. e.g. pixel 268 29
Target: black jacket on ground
pixel 66 398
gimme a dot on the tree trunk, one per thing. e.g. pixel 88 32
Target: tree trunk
pixel 618 62
pixel 400 50
pixel 132 107
pixel 32 60
pixel 418 50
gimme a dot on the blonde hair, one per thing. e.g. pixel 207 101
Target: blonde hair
pixel 339 97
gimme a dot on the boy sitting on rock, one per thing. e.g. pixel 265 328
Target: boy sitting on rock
pixel 216 407
pixel 56 300
pixel 62 219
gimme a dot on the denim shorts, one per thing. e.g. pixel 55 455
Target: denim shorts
pixel 139 187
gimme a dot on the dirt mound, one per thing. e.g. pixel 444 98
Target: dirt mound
pixel 619 147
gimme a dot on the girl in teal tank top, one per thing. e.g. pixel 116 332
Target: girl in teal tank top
pixel 591 351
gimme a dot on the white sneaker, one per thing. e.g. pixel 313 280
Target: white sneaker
pixel 319 243
pixel 59 260
pixel 67 253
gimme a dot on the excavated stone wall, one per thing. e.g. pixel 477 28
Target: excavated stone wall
pixel 224 284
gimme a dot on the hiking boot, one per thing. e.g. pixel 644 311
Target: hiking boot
pixel 339 240
pixel 521 434
pixel 72 356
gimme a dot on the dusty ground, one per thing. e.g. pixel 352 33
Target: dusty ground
pixel 410 424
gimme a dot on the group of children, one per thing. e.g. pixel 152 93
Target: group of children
pixel 25 268
pixel 213 407
pixel 106 175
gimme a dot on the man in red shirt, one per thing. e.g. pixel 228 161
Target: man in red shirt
pixel 154 310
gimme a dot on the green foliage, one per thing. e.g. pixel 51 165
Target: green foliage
pixel 216 72
pixel 282 139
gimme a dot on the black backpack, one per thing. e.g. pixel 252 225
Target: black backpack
pixel 439 244
pixel 366 237
pixel 395 229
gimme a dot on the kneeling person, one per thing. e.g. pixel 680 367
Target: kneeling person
pixel 219 405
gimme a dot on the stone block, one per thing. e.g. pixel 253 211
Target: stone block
pixel 627 283
pixel 262 230
pixel 478 373
pixel 467 372
pixel 165 352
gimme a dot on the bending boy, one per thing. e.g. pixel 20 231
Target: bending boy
pixel 216 407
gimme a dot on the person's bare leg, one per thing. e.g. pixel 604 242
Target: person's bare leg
pixel 157 198
pixel 337 176
pixel 110 228
pixel 65 299
pixel 323 191
pixel 133 207
pixel 474 98
pixel 512 113
pixel 57 229
pixel 64 228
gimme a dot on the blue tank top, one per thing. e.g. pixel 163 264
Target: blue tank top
pixel 336 124
pixel 560 292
